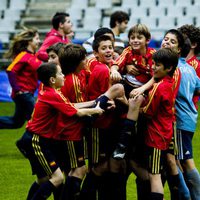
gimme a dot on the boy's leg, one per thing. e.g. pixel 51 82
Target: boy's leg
pixel 128 127
pixel 49 186
pixel 33 189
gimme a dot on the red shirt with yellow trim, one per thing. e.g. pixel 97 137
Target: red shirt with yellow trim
pixel 22 72
pixel 75 87
pixel 99 81
pixel 143 63
pixel 159 113
pixel 44 118
pixel 195 63
pixel 75 90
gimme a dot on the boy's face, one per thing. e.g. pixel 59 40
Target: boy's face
pixel 122 26
pixel 138 42
pixel 66 26
pixel 53 57
pixel 59 79
pixel 159 71
pixel 170 41
pixel 105 52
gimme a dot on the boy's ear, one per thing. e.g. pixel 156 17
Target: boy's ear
pixel 169 69
pixel 147 41
pixel 96 54
pixel 52 80
pixel 193 45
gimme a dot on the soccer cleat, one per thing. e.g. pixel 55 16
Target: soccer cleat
pixel 120 152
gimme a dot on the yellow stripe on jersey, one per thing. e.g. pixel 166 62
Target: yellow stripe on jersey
pixel 16 60
pixel 151 94
pixel 40 155
pixel 122 56
pixel 77 86
pixel 194 64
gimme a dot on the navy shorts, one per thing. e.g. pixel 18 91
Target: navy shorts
pixel 39 152
pixel 184 142
pixel 70 154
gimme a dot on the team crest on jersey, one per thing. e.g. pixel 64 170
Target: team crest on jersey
pixel 52 164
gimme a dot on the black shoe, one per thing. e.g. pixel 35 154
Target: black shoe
pixel 120 152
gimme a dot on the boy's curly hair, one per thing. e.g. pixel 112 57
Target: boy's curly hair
pixel 193 33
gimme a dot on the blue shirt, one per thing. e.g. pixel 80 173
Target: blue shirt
pixel 186 113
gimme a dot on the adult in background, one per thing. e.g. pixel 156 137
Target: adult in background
pixel 22 76
pixel 62 26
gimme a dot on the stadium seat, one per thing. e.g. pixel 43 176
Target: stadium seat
pixel 192 10
pixel 150 22
pixel 139 11
pixel 157 11
pixel 7 25
pixel 185 20
pixel 130 3
pixel 166 3
pixel 18 4
pixel 103 4
pixel 183 3
pixel 79 4
pixel 4 4
pixel 175 11
pixel 12 14
pixel 106 22
pixel 165 23
pixel 145 3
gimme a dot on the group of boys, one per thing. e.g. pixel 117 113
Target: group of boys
pixel 134 133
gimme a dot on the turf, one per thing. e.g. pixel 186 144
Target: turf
pixel 15 171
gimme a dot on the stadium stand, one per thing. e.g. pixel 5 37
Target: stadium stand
pixel 88 15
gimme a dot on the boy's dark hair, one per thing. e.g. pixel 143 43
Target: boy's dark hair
pixel 178 35
pixel 97 41
pixel 70 56
pixel 168 58
pixel 55 47
pixel 193 33
pixel 118 16
pixel 103 31
pixel 142 29
pixel 58 18
pixel 46 71
pixel 185 48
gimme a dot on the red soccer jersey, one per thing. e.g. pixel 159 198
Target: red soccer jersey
pixel 159 113
pixel 44 118
pixel 23 70
pixel 195 63
pixel 51 38
pixel 75 87
pixel 143 63
pixel 99 80
pixel 75 90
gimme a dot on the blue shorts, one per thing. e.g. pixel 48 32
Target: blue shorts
pixel 39 152
pixel 184 142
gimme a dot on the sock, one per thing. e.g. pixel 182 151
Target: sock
pixel 193 182
pixel 103 102
pixel 143 189
pixel 173 182
pixel 57 192
pixel 90 186
pixel 127 129
pixel 44 191
pixel 71 188
pixel 156 196
pixel 34 187
pixel 184 193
